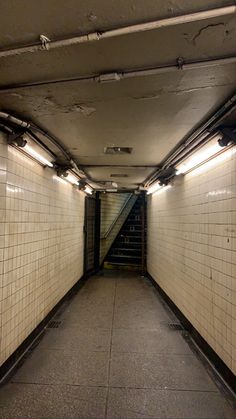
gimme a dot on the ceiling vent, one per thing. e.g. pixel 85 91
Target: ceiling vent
pixel 119 175
pixel 118 150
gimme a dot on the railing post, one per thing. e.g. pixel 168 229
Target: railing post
pixel 143 216
pixel 97 231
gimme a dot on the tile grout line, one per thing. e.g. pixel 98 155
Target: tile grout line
pixel 109 363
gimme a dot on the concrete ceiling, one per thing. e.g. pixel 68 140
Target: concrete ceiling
pixel 149 114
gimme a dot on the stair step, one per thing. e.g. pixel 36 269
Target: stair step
pixel 128 246
pixel 125 249
pixel 128 230
pixel 129 234
pixel 134 241
pixel 124 256
pixel 124 259
pixel 122 266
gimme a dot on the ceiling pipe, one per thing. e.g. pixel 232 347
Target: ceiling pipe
pixel 203 130
pixel 13 120
pixel 180 65
pixel 200 137
pixel 30 126
pixel 46 44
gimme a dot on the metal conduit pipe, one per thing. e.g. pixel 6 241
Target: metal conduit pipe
pixel 181 156
pixel 226 109
pixel 200 137
pixel 51 139
pixel 55 142
pixel 30 126
pixel 13 120
pixel 192 147
pixel 184 66
pixel 47 45
pixel 127 74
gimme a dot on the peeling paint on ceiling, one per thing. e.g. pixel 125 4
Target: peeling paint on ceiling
pixel 149 114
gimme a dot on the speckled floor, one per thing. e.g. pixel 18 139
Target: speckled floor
pixel 113 356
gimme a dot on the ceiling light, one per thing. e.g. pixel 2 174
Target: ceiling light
pixel 28 146
pixel 60 180
pixel 72 179
pixel 154 188
pixel 33 153
pixel 218 159
pixel 207 152
pixel 88 190
pixel 164 188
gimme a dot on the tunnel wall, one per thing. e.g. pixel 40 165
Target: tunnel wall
pixel 191 250
pixel 41 244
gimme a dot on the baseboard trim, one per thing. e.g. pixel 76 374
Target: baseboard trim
pixel 16 359
pixel 221 368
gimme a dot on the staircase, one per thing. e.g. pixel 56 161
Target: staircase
pixel 126 251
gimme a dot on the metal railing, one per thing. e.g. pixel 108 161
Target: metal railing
pixel 110 228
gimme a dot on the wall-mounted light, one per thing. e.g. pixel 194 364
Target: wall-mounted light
pixel 154 188
pixel 88 190
pixel 64 172
pixel 207 152
pixel 158 188
pixel 163 189
pixel 33 153
pixel 27 145
pixel 72 179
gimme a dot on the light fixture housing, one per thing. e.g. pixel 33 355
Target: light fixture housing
pixel 37 156
pixel 206 153
pixel 72 179
pixel 27 145
pixel 88 190
pixel 158 188
pixel 154 188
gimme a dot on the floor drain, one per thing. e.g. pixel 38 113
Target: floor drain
pixel 54 324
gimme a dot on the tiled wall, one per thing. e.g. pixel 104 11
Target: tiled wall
pixel 192 250
pixel 111 204
pixel 41 244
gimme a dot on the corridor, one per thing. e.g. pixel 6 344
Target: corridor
pixel 114 355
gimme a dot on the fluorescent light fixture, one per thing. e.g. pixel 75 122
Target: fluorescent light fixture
pixel 29 150
pixel 158 188
pixel 154 188
pixel 72 179
pixel 163 189
pixel 199 158
pixel 219 159
pixel 88 190
pixel 60 179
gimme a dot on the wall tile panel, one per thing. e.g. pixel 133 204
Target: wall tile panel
pixel 191 250
pixel 41 244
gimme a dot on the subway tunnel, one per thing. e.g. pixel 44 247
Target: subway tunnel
pixel 118 209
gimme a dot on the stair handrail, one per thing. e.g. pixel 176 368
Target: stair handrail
pixel 106 234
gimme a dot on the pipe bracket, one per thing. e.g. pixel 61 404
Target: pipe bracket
pixel 180 63
pixel 45 41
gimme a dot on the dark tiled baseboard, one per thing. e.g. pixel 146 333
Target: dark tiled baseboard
pixel 212 357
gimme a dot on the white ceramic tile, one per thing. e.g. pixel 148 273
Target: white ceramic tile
pixel 41 248
pixel 191 251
